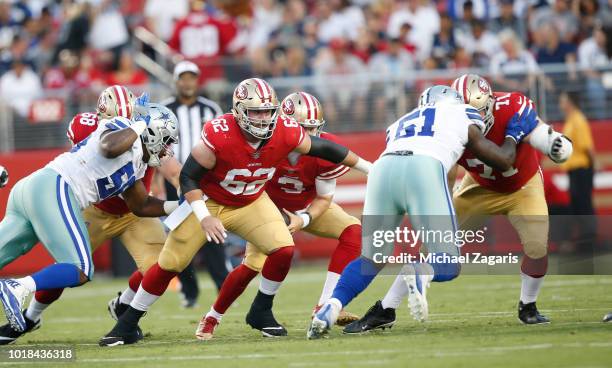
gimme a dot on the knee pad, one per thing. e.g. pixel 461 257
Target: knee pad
pixel 172 262
pixel 535 249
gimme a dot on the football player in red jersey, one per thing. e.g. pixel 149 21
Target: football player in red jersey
pixel 143 237
pixel 517 193
pixel 302 188
pixel 238 155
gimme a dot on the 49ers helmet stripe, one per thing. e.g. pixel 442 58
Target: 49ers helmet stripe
pixel 121 96
pixel 263 88
pixel 308 105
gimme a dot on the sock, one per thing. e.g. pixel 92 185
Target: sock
pixel 232 288
pixel 396 293
pixel 129 319
pixel 532 276
pixel 27 282
pixel 41 300
pixel 213 313
pixel 530 288
pixel 349 248
pixel 354 279
pixel 133 284
pixel 59 275
pixel 275 270
pixel 153 285
pixel 262 301
pixel 330 284
pixel 444 271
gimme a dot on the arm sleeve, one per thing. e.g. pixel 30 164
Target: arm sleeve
pixel 191 174
pixel 327 150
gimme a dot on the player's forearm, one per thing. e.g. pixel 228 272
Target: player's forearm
pixel 336 153
pixel 154 207
pixel 319 205
pixel 117 142
pixel 500 158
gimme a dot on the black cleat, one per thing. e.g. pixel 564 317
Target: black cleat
pixel 8 334
pixel 529 315
pixel 375 318
pixel 116 308
pixel 264 321
pixel 608 317
pixel 117 337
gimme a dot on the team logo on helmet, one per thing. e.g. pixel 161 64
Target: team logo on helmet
pixel 242 92
pixel 288 107
pixel 102 104
pixel 483 86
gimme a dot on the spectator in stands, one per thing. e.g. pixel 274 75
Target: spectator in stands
pixel 127 74
pixel 66 74
pixel 425 21
pixel 461 60
pixel 339 19
pixel 74 29
pixel 108 29
pixel 365 46
pixel 268 17
pixel 580 167
pixel 19 87
pixel 507 19
pixel 444 43
pixel 343 97
pixel 205 39
pixel 586 11
pixel 551 49
pixel 385 66
pixel 513 68
pixel 405 37
pixel 561 15
pixel 463 21
pixel 9 26
pixel 471 9
pixel 481 43
pixel 160 16
pixel 604 16
pixel 592 58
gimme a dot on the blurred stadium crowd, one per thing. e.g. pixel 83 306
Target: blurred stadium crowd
pixel 79 46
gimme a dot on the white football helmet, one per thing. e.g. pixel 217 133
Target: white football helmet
pixel 439 94
pixel 161 132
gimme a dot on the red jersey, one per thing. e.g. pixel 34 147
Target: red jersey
pixel 242 171
pixel 80 127
pixel 526 164
pixel 293 186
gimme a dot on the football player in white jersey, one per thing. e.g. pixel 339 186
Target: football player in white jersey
pixel 410 178
pixel 46 205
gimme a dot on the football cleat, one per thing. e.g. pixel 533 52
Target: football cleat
pixel 344 318
pixel 608 317
pixel 417 298
pixel 117 337
pixel 529 314
pixel 324 319
pixel 8 334
pixel 376 317
pixel 264 321
pixel 116 308
pixel 206 328
pixel 13 294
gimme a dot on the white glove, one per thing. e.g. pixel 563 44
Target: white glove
pixel 560 149
pixel 4 177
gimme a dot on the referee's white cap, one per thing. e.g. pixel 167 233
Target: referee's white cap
pixel 184 67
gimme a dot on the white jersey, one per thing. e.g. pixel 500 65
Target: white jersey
pixel 439 131
pixel 93 177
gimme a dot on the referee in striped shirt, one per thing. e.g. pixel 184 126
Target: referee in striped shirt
pixel 192 111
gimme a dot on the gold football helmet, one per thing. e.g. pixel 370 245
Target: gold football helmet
pixel 477 92
pixel 255 94
pixel 116 101
pixel 306 110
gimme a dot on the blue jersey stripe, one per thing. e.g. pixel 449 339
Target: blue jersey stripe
pixel 475 116
pixel 80 232
pixel 66 222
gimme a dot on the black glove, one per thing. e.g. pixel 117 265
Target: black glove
pixel 4 178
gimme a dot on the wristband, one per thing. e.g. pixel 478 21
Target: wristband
pixel 306 218
pixel 363 165
pixel 199 209
pixel 170 206
pixel 139 127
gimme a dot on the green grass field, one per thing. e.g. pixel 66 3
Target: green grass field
pixel 472 324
